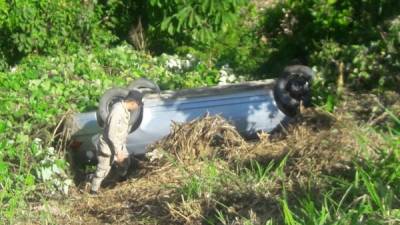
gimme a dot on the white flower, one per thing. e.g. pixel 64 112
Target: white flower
pixel 231 78
pixel 190 56
pixel 173 63
pixel 222 80
pixel 50 150
pixel 187 64
pixel 226 75
pixel 223 73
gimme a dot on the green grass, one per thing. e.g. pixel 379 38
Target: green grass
pixel 369 193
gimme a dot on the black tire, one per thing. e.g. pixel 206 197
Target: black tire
pixel 136 119
pixel 285 102
pixel 300 70
pixel 109 98
pixel 286 96
pixel 144 83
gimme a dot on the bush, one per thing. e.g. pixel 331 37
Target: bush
pixel 241 47
pixel 40 90
pixel 214 31
pixel 361 35
pixel 49 26
pixel 220 32
pixel 193 21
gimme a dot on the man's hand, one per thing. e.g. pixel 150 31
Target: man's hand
pixel 122 161
pixel 120 157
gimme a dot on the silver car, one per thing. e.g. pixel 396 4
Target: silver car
pixel 250 106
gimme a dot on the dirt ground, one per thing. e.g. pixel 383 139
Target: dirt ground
pixel 315 143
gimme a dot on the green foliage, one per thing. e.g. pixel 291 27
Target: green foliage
pixel 36 94
pixel 206 183
pixel 370 195
pixel 48 26
pixel 363 35
pixel 198 21
pixel 221 32
pixel 3 62
pixel 241 47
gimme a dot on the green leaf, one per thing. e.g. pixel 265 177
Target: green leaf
pixel 171 29
pixel 212 6
pixel 165 23
pixel 3 8
pixel 29 180
pixel 331 2
pixel 154 2
pixel 204 5
pixel 2 126
pixel 191 20
pixel 330 103
pixel 3 168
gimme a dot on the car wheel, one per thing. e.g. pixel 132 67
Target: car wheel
pixel 142 84
pixel 109 98
pixel 293 87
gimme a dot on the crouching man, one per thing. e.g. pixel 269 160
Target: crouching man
pixel 112 143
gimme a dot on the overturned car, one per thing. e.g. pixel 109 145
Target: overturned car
pixel 250 106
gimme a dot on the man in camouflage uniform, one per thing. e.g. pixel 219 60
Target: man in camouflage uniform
pixel 112 143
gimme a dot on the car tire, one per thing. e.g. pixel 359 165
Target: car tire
pixel 288 102
pixel 110 97
pixel 143 83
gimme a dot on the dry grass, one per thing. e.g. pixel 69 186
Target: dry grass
pixel 207 137
pixel 316 144
pixel 150 197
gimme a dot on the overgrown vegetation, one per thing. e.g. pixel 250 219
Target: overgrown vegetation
pixel 40 90
pixel 353 41
pixel 59 56
pixel 366 194
pixel 342 173
pixel 358 40
pixel 48 27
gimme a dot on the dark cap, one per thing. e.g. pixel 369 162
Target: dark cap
pixel 134 96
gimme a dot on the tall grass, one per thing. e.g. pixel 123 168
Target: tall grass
pixel 369 193
pixel 369 196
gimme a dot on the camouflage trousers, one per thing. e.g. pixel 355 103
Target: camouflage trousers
pixel 105 157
